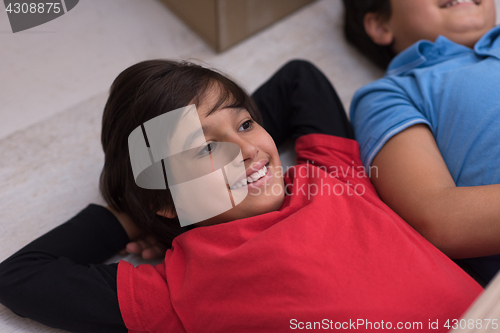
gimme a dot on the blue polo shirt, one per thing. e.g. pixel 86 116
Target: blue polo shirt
pixel 453 89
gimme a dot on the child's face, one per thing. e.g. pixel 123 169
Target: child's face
pixel 463 23
pixel 258 149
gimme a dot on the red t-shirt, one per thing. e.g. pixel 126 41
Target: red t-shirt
pixel 330 260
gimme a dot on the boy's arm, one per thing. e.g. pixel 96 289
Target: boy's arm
pixel 58 279
pixel 414 181
pixel 146 246
pixel 298 100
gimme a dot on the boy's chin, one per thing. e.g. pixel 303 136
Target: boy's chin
pixel 268 203
pixel 469 39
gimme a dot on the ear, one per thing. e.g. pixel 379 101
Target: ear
pixel 169 213
pixel 377 27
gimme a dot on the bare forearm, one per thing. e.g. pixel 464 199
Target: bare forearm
pixel 463 222
pixel 413 180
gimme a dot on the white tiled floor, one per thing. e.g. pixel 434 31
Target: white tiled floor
pixel 49 68
pixel 53 86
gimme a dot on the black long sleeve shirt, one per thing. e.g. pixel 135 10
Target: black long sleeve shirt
pixel 64 266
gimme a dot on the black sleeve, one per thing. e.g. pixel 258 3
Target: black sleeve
pixel 59 280
pixel 297 100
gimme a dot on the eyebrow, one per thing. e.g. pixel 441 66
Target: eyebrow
pixel 237 109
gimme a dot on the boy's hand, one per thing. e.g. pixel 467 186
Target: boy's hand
pixel 148 247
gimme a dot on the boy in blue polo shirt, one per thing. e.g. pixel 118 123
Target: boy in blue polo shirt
pixel 432 125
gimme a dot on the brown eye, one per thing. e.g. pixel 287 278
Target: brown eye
pixel 246 125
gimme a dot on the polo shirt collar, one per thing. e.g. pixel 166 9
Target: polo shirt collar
pixel 489 44
pixel 429 53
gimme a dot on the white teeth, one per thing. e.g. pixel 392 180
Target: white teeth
pixel 456 2
pixel 250 179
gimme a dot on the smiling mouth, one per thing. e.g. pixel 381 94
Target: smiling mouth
pixel 251 178
pixel 452 3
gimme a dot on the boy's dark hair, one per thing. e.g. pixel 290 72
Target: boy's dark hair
pixel 140 93
pixel 354 29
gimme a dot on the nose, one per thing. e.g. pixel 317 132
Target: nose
pixel 249 150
